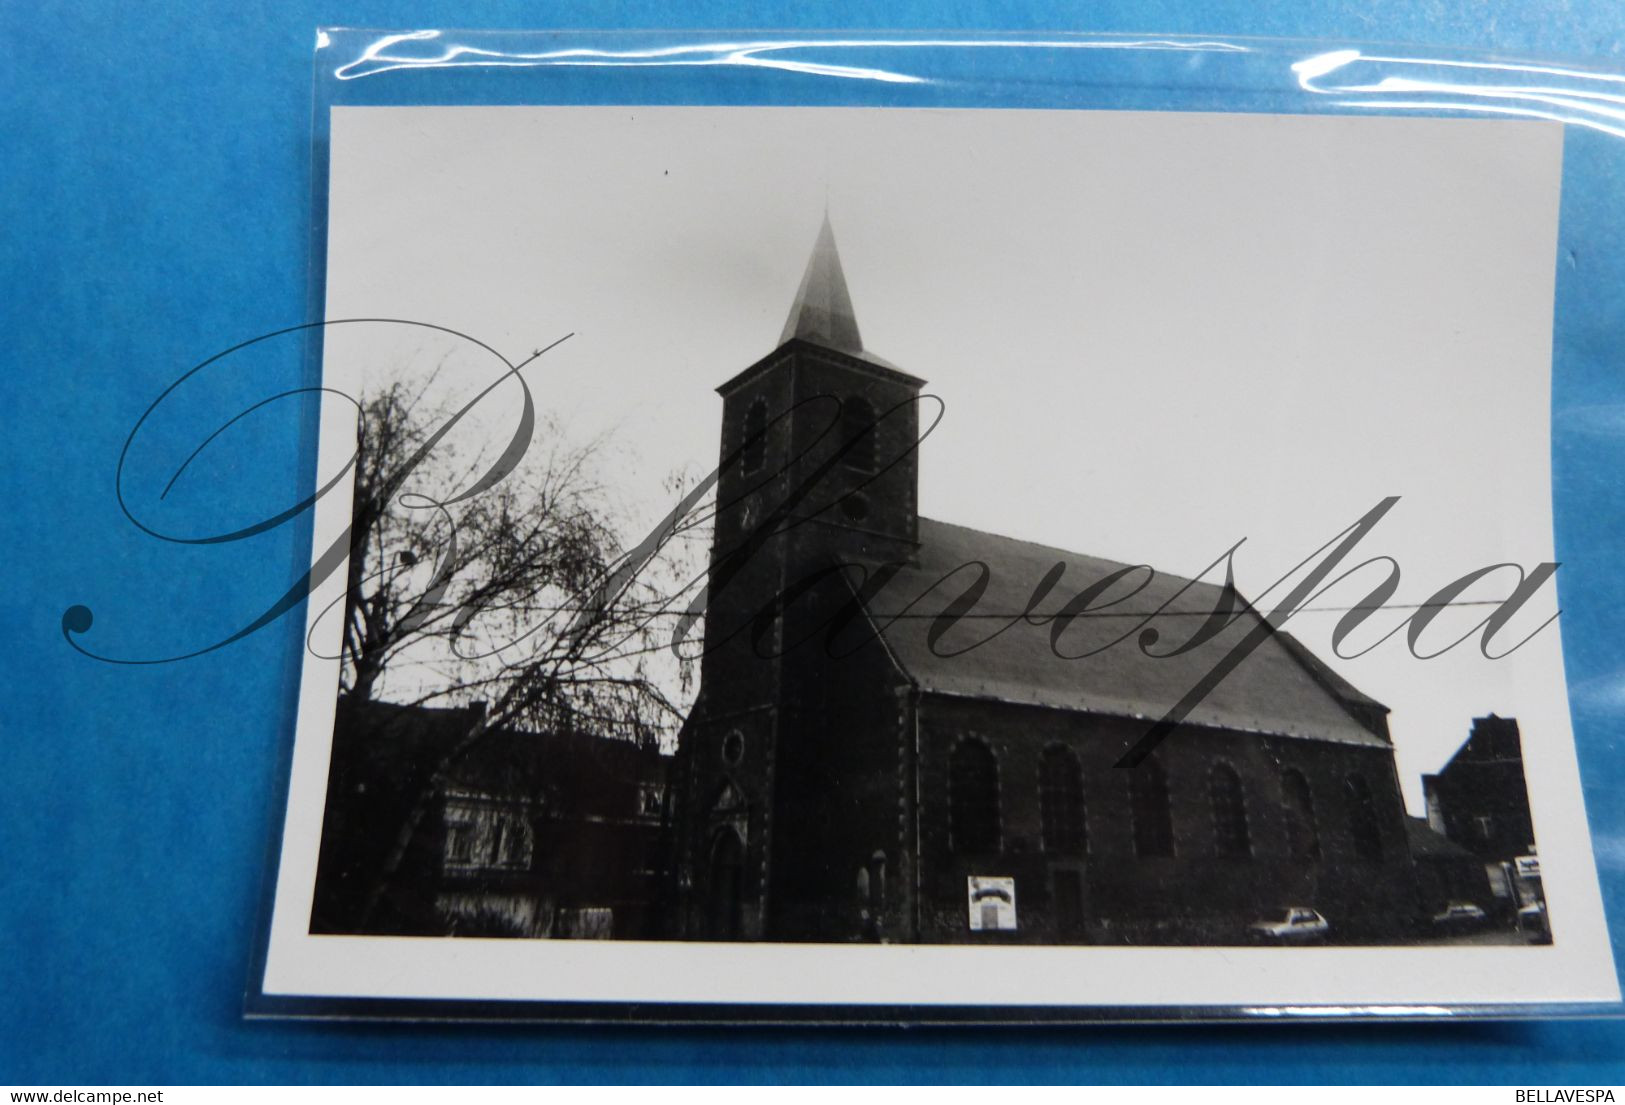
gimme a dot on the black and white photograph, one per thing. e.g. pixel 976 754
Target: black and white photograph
pixel 1006 558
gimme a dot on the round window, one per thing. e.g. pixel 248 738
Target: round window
pixel 855 506
pixel 733 747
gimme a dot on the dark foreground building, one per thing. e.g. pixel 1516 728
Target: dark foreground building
pixel 860 766
pixel 1446 873
pixel 512 834
pixel 1480 801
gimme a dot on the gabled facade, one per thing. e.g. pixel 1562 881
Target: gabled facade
pixel 1480 801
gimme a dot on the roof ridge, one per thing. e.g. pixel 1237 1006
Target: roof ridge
pixel 1075 553
pixel 1282 687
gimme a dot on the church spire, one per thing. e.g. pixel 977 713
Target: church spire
pixel 822 311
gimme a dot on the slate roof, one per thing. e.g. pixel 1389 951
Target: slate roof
pixel 1280 688
pixel 821 315
pixel 822 311
pixel 1427 844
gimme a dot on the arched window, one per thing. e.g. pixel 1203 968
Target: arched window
pixel 1148 801
pixel 1363 826
pixel 973 798
pixel 1230 836
pixel 1060 801
pixel 754 446
pixel 858 430
pixel 1302 834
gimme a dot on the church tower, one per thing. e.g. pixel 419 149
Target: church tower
pixel 823 430
pixel 818 467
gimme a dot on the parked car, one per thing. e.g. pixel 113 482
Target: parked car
pixel 1532 923
pixel 1295 925
pixel 1459 917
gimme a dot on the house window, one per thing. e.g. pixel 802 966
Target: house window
pixel 1363 826
pixel 1060 801
pixel 1230 836
pixel 509 842
pixel 1148 800
pixel 858 434
pixel 973 798
pixel 1303 835
pixel 459 843
pixel 754 448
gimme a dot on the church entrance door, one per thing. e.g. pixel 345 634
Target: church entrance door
pixel 727 887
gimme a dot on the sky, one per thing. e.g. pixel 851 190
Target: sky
pixel 1155 335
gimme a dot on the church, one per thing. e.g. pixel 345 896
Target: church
pixel 910 731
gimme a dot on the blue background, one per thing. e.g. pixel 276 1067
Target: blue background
pixel 155 175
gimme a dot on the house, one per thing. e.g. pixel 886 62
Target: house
pixel 1479 800
pixel 513 833
pixel 902 734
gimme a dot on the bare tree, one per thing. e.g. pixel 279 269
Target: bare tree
pixel 522 594
pixel 516 592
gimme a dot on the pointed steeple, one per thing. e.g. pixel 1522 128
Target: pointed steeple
pixel 822 311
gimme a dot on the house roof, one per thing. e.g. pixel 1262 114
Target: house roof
pixel 1280 688
pixel 1427 844
pixel 397 748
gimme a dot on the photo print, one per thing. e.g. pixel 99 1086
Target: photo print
pixel 797 556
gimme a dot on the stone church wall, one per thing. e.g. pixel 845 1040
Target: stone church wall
pixel 1195 895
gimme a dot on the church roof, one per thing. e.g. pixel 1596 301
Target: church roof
pixel 1280 688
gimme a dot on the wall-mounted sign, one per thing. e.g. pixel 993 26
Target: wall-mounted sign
pixel 992 903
